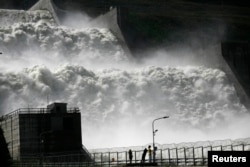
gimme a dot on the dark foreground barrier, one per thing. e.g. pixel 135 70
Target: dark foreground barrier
pixel 186 156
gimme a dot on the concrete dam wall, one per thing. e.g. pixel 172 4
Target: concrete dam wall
pixel 231 57
pixel 50 6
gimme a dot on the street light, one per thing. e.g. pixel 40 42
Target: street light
pixel 154 131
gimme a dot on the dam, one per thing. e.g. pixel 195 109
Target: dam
pixel 116 19
pixel 119 87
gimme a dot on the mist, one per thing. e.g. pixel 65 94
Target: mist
pixel 118 96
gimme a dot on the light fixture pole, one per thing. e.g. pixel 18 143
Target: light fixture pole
pixel 154 131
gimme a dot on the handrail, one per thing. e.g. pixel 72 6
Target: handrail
pixel 120 158
pixel 35 111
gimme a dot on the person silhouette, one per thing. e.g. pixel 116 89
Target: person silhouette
pixel 149 154
pixel 130 155
pixel 144 156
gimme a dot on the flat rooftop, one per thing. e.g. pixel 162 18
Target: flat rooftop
pixel 36 111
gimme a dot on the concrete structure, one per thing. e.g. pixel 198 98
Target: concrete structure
pixel 48 5
pixel 237 56
pixel 36 132
pixel 108 20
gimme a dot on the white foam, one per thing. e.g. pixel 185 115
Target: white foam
pixel 118 98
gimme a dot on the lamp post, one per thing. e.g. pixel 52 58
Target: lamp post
pixel 154 131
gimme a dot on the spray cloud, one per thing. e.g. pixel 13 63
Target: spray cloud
pixel 118 97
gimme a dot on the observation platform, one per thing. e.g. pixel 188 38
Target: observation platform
pixel 36 111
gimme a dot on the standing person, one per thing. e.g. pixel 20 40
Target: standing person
pixel 130 155
pixel 143 156
pixel 149 154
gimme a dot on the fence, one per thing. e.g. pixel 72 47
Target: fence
pixel 176 156
pixel 186 156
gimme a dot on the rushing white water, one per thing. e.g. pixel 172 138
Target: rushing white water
pixel 118 97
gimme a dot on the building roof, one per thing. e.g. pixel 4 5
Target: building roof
pixel 35 111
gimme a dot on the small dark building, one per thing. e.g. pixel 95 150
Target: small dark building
pixel 48 132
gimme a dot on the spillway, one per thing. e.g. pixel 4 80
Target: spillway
pixel 118 95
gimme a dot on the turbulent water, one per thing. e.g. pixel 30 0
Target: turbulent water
pixel 118 96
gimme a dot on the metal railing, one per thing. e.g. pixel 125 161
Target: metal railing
pixel 185 156
pixel 35 111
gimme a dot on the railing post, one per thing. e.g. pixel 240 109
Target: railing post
pixel 169 156
pixel 177 161
pixel 185 157
pixel 202 155
pixel 101 159
pixel 109 158
pixel 135 157
pixel 94 159
pixel 161 157
pixel 243 149
pixel 126 157
pixel 194 157
pixel 117 157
